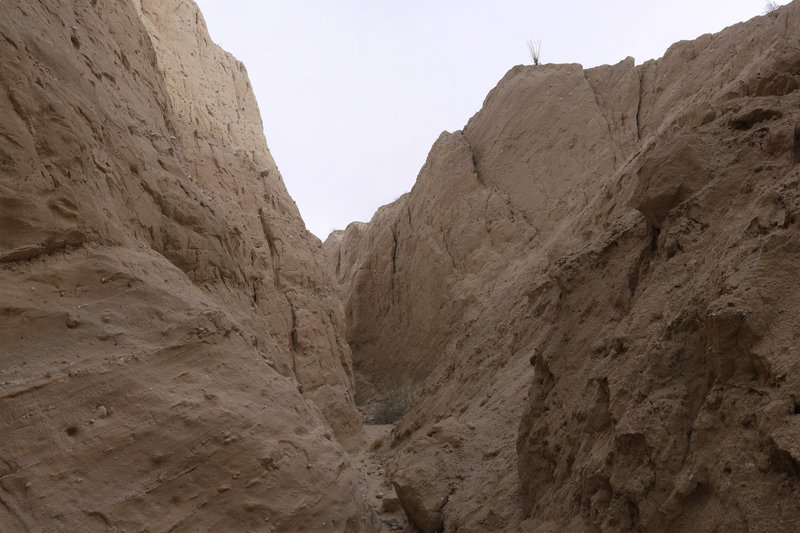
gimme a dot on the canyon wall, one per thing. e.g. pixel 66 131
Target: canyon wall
pixel 588 299
pixel 591 293
pixel 172 353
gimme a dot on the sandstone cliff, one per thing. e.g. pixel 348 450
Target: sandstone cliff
pixel 591 290
pixel 171 351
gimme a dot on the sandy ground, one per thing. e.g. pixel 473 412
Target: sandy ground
pixel 379 491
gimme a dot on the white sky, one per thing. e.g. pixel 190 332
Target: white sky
pixel 353 93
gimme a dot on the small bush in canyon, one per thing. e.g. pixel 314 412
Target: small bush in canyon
pixel 393 407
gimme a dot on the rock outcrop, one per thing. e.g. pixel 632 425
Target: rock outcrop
pixel 172 353
pixel 591 292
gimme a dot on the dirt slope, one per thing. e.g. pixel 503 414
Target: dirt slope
pixel 591 290
pixel 171 352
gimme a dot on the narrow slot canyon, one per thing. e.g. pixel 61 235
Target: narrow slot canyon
pixel 582 317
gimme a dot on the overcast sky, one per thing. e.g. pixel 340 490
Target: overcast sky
pixel 353 93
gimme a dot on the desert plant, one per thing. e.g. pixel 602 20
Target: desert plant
pixel 394 406
pixel 534 50
pixel 770 7
pixel 377 443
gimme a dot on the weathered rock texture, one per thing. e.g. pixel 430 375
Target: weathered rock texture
pixel 593 291
pixel 171 352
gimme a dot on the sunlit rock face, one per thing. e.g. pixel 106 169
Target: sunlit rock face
pixel 591 294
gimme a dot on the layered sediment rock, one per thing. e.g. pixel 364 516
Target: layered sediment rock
pixel 171 352
pixel 591 291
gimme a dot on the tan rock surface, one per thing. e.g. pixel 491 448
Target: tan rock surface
pixel 220 131
pixel 591 291
pixel 171 353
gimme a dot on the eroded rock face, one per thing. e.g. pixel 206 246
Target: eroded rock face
pixel 220 130
pixel 171 353
pixel 593 282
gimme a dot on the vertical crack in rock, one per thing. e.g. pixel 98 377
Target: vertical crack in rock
pixel 394 251
pixel 273 252
pixel 603 111
pixel 639 106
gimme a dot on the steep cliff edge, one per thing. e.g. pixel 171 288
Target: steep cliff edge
pixel 590 290
pixel 171 355
pixel 220 130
